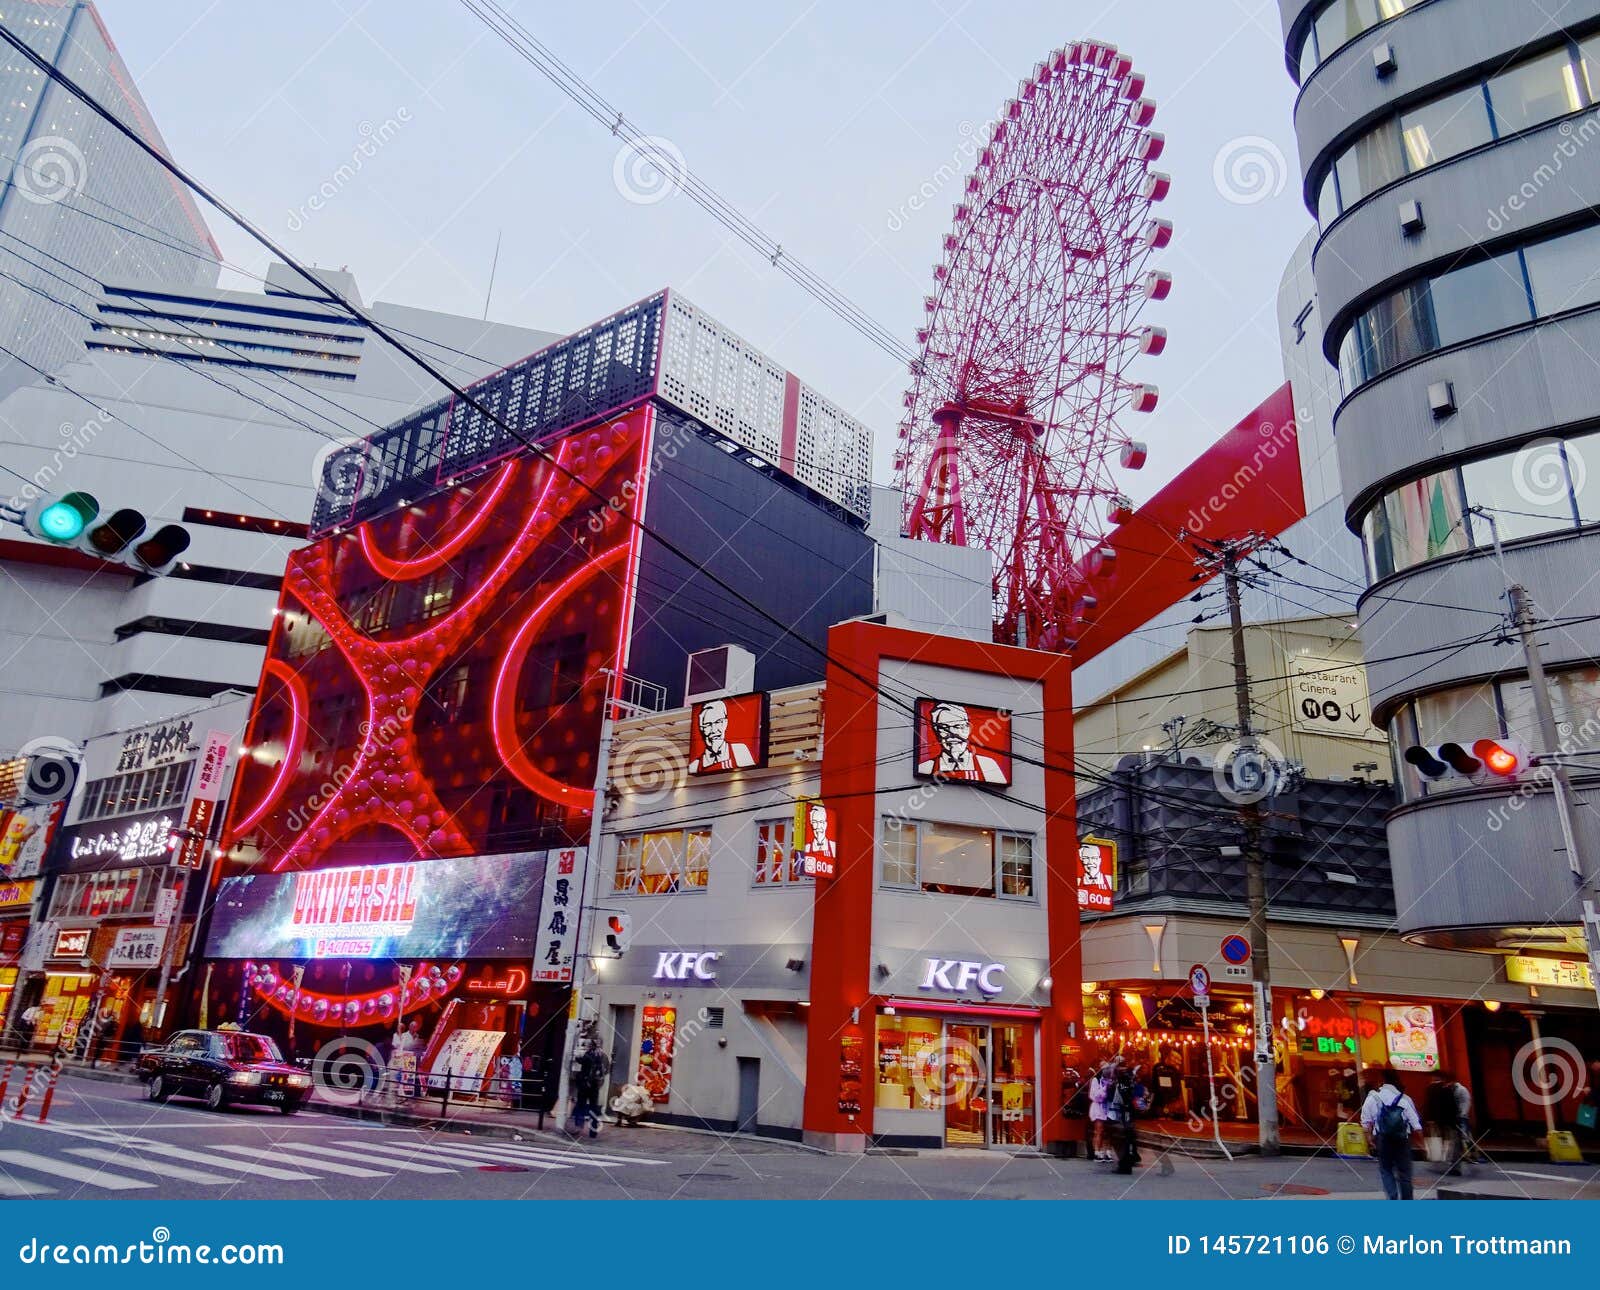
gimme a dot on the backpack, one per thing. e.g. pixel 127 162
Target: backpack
pixel 1392 1124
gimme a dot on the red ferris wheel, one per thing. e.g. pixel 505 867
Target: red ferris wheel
pixel 1012 430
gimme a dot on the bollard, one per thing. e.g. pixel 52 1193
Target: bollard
pixel 5 1080
pixel 49 1094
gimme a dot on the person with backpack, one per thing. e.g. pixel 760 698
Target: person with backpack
pixel 588 1073
pixel 1389 1118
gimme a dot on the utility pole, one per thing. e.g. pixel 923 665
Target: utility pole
pixel 586 895
pixel 1525 620
pixel 1222 557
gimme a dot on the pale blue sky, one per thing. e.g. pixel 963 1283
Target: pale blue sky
pixel 819 121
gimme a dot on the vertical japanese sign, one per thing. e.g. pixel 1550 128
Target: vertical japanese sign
pixel 558 914
pixel 203 800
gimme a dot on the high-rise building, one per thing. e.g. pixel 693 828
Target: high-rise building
pixel 77 190
pixel 217 410
pixel 1455 275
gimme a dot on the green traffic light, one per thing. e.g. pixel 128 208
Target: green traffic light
pixel 60 522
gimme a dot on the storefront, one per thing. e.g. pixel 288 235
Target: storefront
pixel 475 951
pixel 16 908
pixel 840 957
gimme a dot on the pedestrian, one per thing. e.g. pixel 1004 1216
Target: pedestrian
pixel 1589 1108
pixel 588 1074
pixel 1128 1096
pixel 1389 1118
pixel 1099 1113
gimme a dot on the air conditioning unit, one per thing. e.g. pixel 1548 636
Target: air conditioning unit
pixel 722 669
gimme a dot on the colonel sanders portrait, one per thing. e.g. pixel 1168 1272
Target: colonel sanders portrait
pixel 957 759
pixel 718 753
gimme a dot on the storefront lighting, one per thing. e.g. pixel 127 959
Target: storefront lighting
pixel 1319 994
pixel 1046 983
pixel 1492 1005
pixel 1089 987
pixel 889 1011
pixel 1351 944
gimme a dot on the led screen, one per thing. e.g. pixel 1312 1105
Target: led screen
pixel 478 906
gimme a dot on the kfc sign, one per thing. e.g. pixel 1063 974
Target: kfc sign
pixel 960 742
pixel 728 734
pixel 686 965
pixel 816 832
pixel 957 976
pixel 1097 874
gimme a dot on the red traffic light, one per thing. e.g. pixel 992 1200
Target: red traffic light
pixel 616 925
pixel 1501 758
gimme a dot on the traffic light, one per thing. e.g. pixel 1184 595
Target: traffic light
pixel 120 538
pixel 1505 758
pixel 619 930
pixel 61 520
pixel 1483 758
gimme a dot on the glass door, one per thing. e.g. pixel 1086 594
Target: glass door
pixel 1013 1085
pixel 964 1082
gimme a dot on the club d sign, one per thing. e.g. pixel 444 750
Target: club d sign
pixel 959 975
pixel 685 965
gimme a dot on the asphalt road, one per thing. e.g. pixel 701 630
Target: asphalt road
pixel 105 1141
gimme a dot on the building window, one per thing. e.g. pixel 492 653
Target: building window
pixel 775 866
pixel 910 1058
pixel 955 860
pixel 1338 23
pixel 1541 488
pixel 659 864
pixel 1532 93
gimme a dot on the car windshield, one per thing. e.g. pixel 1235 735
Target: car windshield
pixel 251 1048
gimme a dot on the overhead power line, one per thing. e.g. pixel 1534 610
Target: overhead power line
pixel 669 163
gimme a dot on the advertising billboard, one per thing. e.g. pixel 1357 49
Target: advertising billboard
pixel 728 734
pixel 962 742
pixel 1097 873
pixel 477 906
pixel 816 833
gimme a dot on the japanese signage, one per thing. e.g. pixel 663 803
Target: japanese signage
pixel 1328 696
pixel 1531 969
pixel 166 906
pixel 16 895
pixel 960 742
pixel 728 734
pixel 155 746
pixel 191 854
pixel 136 947
pixel 112 892
pixel 126 840
pixel 1413 1041
pixel 957 976
pixel 468 906
pixel 24 837
pixel 71 944
pixel 1097 873
pixel 816 834
pixel 558 915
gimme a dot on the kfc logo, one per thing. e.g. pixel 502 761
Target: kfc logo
pixel 1097 873
pixel 816 851
pixel 957 976
pixel 728 734
pixel 685 965
pixel 960 742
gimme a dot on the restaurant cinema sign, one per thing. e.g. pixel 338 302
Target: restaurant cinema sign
pixel 354 913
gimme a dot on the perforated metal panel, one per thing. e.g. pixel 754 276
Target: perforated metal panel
pixel 833 453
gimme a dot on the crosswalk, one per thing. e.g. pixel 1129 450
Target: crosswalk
pixel 109 1161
